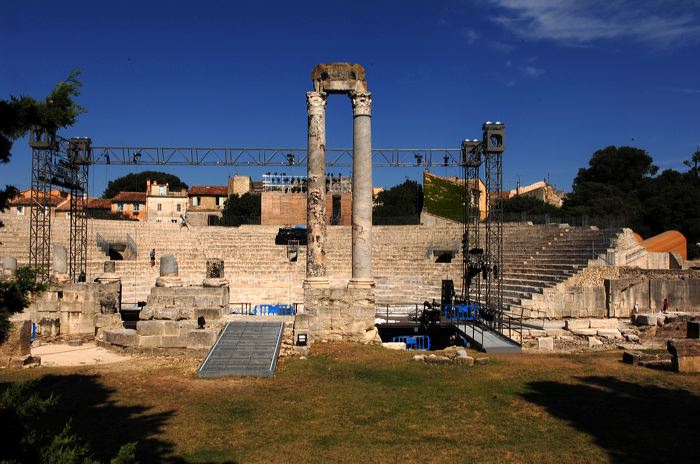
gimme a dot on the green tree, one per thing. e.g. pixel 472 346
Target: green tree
pixel 401 201
pixel 611 183
pixel 528 205
pixel 19 114
pixel 136 182
pixel 692 163
pixel 14 296
pixel 243 209
pixel 27 437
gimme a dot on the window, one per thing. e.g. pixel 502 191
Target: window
pixel 136 207
pixel 220 201
pixel 159 207
pixel 179 207
pixel 120 207
pixel 161 190
pixel 20 210
pixel 174 221
pixel 196 201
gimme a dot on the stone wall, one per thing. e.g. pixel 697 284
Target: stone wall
pixel 76 309
pixel 280 208
pixel 622 294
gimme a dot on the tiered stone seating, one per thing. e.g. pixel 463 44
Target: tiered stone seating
pixel 535 257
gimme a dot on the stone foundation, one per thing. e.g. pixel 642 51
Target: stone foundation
pixel 335 314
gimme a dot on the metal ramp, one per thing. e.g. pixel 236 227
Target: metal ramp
pixel 244 349
pixel 487 339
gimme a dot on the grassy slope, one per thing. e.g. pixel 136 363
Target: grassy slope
pixel 350 403
pixel 443 198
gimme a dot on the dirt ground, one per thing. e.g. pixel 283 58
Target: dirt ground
pixel 88 354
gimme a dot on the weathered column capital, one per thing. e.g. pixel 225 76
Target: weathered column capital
pixel 316 103
pixel 361 103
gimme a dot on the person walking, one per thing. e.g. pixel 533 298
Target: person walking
pixel 152 255
pixel 665 305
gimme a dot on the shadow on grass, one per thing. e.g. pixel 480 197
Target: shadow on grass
pixel 632 422
pixel 101 421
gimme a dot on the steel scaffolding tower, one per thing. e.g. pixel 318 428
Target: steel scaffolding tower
pixel 43 144
pixel 482 253
pixel 63 163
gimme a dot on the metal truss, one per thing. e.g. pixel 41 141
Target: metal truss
pixel 43 146
pixel 63 163
pixel 336 157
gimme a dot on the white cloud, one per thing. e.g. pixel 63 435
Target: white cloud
pixel 580 22
pixel 531 71
pixel 683 90
pixel 469 34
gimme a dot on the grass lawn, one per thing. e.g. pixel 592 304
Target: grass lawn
pixel 352 403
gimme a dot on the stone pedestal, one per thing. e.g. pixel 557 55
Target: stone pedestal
pixel 60 264
pixel 316 189
pixel 334 314
pixel 215 274
pixel 9 266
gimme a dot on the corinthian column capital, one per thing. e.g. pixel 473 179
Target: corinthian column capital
pixel 361 103
pixel 316 103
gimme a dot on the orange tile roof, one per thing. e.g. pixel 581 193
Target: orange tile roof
pixel 99 203
pixel 129 197
pixel 208 190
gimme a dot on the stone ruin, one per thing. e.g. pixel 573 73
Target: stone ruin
pixel 169 321
pixel 339 313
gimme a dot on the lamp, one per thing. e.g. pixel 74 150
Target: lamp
pixel 137 157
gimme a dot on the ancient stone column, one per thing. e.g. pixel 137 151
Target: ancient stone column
pixel 9 266
pixel 168 266
pixel 316 191
pixel 215 276
pixel 361 190
pixel 60 259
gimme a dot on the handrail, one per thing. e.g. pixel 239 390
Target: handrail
pixel 101 243
pixel 131 246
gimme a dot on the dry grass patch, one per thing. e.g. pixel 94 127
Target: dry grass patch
pixel 355 403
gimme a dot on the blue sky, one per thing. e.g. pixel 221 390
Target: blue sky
pixel 567 77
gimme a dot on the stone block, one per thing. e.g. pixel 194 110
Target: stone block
pixel 150 341
pixel 571 324
pixel 173 341
pixel 632 337
pixel 584 332
pixel 418 357
pixel 545 343
pixel 481 361
pixel 168 266
pixel 433 359
pixel 9 266
pixel 108 321
pixel 122 337
pixel 604 323
pixel 146 313
pixel 150 328
pixel 686 354
pixel 204 338
pixel 536 333
pixel 556 332
pixel 215 268
pixel 169 282
pixel 60 259
pixel 171 314
pixel 463 361
pixel 646 319
pixel 593 342
pixel 109 267
pixel 610 334
pixel 17 341
pixel 631 357
pixel 400 346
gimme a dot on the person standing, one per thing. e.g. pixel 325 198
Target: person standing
pixel 152 255
pixel 665 305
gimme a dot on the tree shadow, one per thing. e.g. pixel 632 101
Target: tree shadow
pixel 105 424
pixel 632 422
